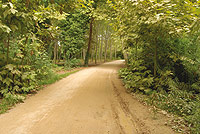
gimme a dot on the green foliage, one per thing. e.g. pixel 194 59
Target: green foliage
pixel 9 100
pixel 72 63
pixel 180 103
pixel 137 77
pixel 74 28
pixel 13 81
pixel 42 66
pixel 30 31
pixel 55 77
pixel 164 92
pixel 164 35
pixel 194 119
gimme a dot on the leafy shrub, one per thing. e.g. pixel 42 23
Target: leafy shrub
pixel 165 92
pixel 181 103
pixel 176 101
pixel 137 77
pixel 194 120
pixel 72 63
pixel 16 80
pixel 42 66
pixel 164 81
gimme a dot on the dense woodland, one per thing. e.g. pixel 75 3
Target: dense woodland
pixel 159 40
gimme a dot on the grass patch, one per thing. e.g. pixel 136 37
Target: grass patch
pixel 9 101
pixel 56 77
pixel 4 106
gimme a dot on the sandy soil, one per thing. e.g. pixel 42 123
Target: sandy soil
pixel 91 101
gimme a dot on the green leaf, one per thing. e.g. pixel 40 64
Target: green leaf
pixel 6 13
pixel 5 28
pixel 7 81
pixel 14 27
pixel 10 67
pixel 1 78
pixel 13 11
pixel 16 72
pixel 16 88
pixel 4 6
pixel 4 72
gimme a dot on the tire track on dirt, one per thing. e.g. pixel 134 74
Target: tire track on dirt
pixel 137 123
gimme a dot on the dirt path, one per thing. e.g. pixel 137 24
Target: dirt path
pixel 91 101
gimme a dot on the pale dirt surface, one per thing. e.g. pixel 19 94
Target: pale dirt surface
pixel 91 101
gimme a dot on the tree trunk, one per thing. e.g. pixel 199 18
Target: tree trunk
pixel 97 44
pixel 105 54
pixel 55 51
pixel 101 50
pixel 96 54
pixel 124 52
pixel 84 54
pixel 27 3
pixel 92 53
pixel 89 43
pixel 110 49
pixel 115 51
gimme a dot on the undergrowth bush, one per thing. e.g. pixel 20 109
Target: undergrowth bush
pixel 17 79
pixel 165 92
pixel 72 63
pixel 137 77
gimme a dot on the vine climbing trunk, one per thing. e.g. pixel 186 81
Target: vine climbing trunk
pixel 89 42
pixel 106 44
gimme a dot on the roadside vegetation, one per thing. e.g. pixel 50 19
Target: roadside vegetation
pixel 162 41
pixel 40 37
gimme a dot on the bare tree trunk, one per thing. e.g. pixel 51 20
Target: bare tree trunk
pixel 92 53
pixel 101 51
pixel 106 46
pixel 84 54
pixel 97 44
pixel 57 56
pixel 89 43
pixel 110 49
pixel 81 54
pixel 115 51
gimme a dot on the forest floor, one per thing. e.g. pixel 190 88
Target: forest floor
pixel 91 101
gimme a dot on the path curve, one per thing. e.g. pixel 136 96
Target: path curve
pixel 91 101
